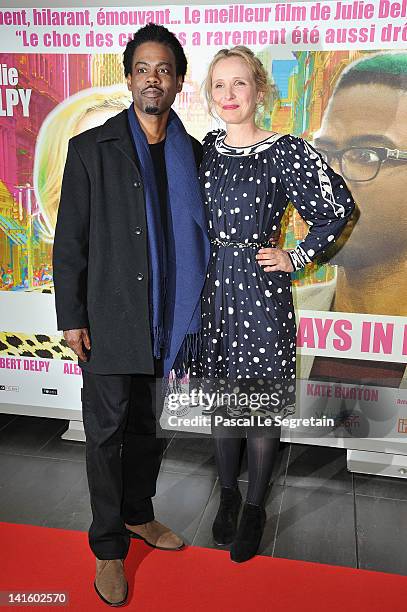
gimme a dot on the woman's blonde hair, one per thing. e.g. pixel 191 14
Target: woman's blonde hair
pixel 260 76
pixel 52 144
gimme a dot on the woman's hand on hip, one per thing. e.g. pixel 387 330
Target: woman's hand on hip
pixel 274 260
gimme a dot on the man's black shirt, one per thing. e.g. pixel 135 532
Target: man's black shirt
pixel 160 171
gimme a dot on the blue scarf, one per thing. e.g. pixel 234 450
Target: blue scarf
pixel 178 268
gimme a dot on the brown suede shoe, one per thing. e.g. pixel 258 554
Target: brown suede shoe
pixel 156 535
pixel 110 582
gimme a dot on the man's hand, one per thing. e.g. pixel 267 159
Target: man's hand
pixel 274 260
pixel 76 340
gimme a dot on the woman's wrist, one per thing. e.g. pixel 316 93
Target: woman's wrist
pixel 298 257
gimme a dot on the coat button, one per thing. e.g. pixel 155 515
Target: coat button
pixel 137 184
pixel 140 276
pixel 138 231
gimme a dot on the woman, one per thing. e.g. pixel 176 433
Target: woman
pixel 82 111
pixel 248 176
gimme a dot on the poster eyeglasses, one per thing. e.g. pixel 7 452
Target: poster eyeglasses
pixel 362 164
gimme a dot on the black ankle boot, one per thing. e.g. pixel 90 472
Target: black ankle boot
pixel 225 524
pixel 249 534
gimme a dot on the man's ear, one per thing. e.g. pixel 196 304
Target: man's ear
pixel 128 81
pixel 180 83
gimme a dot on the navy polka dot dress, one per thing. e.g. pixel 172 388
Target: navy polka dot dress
pixel 247 314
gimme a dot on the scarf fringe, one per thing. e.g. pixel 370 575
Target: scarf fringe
pixel 189 350
pixel 172 385
pixel 159 340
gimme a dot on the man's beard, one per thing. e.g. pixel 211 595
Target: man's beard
pixel 152 110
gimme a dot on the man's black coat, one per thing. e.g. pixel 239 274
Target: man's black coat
pixel 101 269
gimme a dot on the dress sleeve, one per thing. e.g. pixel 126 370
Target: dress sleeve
pixel 319 194
pixel 209 140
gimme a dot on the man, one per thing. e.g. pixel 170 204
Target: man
pixel 364 137
pixel 366 120
pixel 130 257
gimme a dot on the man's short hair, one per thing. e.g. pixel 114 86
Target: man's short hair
pixel 155 33
pixel 384 68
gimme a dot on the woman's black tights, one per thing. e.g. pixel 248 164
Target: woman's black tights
pixel 261 456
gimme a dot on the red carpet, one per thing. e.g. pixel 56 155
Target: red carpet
pixel 198 579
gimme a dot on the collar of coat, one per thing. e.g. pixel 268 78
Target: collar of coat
pixel 117 128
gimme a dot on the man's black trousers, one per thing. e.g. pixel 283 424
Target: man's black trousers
pixel 123 455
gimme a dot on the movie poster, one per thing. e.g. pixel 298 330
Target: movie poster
pixel 341 73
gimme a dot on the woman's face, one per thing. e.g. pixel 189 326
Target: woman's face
pixel 234 91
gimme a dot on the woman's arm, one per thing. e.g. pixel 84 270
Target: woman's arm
pixel 319 194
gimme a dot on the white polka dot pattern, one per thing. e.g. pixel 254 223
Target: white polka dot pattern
pixel 248 326
pixel 317 192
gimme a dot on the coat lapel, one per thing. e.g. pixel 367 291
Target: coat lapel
pixel 116 129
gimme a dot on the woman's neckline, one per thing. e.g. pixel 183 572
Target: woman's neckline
pixel 248 146
pixel 233 151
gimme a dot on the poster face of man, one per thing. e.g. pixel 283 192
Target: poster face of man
pixel 369 117
pixel 361 124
